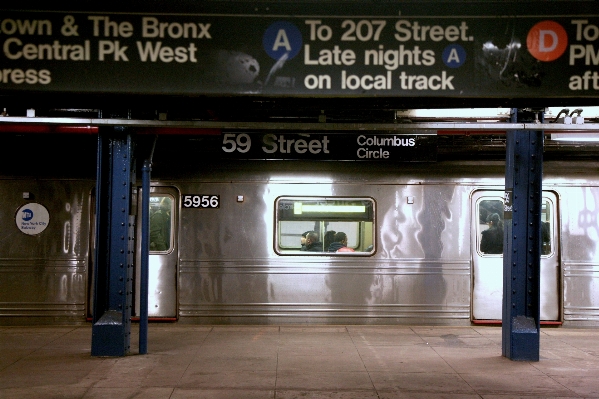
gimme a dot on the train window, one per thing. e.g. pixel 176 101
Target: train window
pixel 325 226
pixel 490 226
pixel 161 223
pixel 546 226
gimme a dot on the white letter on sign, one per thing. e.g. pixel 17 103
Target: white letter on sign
pixel 554 40
pixel 281 40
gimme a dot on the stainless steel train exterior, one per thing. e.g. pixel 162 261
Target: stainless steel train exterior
pixel 236 261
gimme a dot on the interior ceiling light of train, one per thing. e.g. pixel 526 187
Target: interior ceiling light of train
pixel 488 115
pixel 574 115
pixel 477 145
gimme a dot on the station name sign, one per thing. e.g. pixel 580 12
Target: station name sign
pixel 322 56
pixel 330 147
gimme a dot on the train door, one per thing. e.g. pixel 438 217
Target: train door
pixel 162 290
pixel 487 260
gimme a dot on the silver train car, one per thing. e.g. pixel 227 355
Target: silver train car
pixel 226 244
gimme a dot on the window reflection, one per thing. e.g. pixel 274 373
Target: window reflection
pixel 160 223
pixel 491 226
pixel 306 226
pixel 546 228
pixel 490 219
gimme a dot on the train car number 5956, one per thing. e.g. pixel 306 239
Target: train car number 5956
pixel 201 201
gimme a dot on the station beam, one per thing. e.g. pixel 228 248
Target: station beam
pixel 522 243
pixel 111 330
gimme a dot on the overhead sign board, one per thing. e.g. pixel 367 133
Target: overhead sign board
pixel 330 146
pixel 312 55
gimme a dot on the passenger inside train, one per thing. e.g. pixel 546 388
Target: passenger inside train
pixel 312 242
pixel 340 243
pixel 160 225
pixel 329 238
pixel 492 238
pixel 303 241
pixel 545 238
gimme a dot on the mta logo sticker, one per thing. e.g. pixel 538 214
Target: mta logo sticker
pixel 282 39
pixel 27 214
pixel 32 218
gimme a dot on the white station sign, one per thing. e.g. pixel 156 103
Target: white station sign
pixel 32 218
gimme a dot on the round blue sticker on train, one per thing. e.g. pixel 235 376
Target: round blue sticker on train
pixel 282 39
pixel 454 56
pixel 32 218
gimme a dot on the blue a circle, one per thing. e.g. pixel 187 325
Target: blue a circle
pixel 282 38
pixel 454 56
pixel 27 214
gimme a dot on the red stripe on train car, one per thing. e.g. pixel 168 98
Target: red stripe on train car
pixel 28 128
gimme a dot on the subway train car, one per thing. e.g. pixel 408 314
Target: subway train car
pixel 226 238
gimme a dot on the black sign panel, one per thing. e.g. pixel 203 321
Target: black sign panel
pixel 330 146
pixel 508 204
pixel 322 56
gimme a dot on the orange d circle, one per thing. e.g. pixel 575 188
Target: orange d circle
pixel 547 41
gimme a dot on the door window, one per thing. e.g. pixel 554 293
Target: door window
pixel 161 223
pixel 490 226
pixel 546 227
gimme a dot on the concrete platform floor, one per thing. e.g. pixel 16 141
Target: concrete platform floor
pixel 190 361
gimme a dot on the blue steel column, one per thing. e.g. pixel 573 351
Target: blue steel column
pixel 145 257
pixel 111 330
pixel 522 246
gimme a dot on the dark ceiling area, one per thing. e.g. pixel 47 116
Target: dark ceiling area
pixel 360 107
pixel 255 108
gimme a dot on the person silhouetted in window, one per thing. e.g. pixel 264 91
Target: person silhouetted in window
pixel 312 243
pixel 492 238
pixel 340 243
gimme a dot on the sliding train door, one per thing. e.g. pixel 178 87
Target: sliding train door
pixel 162 290
pixel 487 260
